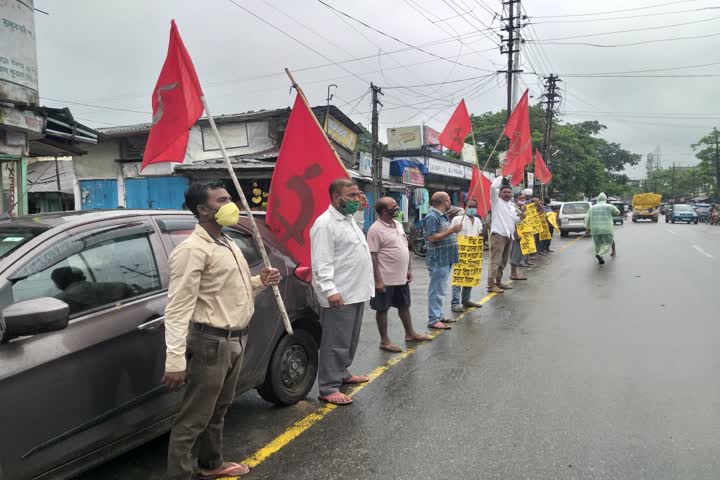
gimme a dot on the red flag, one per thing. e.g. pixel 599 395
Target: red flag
pixel 519 153
pixel 176 103
pixel 542 172
pixel 457 128
pixel 480 191
pixel 304 170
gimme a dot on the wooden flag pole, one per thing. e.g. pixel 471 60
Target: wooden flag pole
pixel 305 101
pixel 256 231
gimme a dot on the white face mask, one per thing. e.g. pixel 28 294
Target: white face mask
pixel 521 202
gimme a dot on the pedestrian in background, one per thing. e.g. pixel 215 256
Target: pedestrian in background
pixel 599 222
pixel 343 282
pixel 517 259
pixel 472 226
pixel 211 299
pixel 391 266
pixel 502 232
pixel 442 254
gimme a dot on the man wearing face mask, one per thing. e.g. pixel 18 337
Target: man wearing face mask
pixel 471 227
pixel 210 304
pixel 391 266
pixel 442 254
pixel 343 282
pixel 502 232
pixel 517 259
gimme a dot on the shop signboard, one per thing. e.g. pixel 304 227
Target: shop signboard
pixel 469 154
pixel 18 55
pixel 448 169
pixel 413 176
pixel 404 138
pixel 432 139
pixel 340 133
pixel 365 164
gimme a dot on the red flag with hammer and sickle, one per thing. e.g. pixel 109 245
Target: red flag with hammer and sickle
pixel 517 129
pixel 305 167
pixel 177 105
pixel 457 128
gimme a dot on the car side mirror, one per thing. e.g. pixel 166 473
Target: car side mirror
pixel 33 317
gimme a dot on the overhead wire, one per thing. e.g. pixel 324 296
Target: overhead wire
pixel 630 44
pixel 616 11
pixel 624 17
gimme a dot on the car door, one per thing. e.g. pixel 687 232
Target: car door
pixel 65 394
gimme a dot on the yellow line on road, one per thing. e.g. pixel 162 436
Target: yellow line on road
pixel 311 419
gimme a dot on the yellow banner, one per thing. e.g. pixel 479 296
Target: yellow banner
pixel 545 231
pixel 552 218
pixel 527 243
pixel 468 271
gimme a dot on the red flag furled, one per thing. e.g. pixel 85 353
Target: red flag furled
pixel 177 105
pixel 305 167
pixel 542 172
pixel 457 128
pixel 480 191
pixel 517 129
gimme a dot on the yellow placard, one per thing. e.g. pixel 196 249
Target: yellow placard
pixel 468 271
pixel 545 230
pixel 527 243
pixel 552 218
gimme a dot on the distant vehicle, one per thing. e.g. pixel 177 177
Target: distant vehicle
pixel 571 218
pixel 668 213
pixel 703 211
pixel 82 338
pixel 646 206
pixel 684 213
pixel 663 208
pixel 619 218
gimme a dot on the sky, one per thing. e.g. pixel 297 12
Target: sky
pixel 102 59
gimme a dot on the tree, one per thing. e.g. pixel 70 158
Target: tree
pixel 708 152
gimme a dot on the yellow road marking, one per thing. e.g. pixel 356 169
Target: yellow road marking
pixel 311 419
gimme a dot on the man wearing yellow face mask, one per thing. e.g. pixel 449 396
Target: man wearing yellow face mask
pixel 211 301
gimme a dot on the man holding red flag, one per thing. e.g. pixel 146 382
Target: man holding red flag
pixel 519 154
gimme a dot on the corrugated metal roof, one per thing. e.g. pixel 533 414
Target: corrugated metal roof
pixel 237 163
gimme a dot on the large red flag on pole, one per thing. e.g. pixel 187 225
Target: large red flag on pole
pixel 305 167
pixel 480 191
pixel 542 172
pixel 177 105
pixel 517 129
pixel 457 129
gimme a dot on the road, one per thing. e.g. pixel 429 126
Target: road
pixel 583 372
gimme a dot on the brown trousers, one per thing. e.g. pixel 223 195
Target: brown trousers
pixel 500 248
pixel 213 370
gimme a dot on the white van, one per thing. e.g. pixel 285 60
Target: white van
pixel 572 217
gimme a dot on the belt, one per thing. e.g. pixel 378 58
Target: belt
pixel 219 332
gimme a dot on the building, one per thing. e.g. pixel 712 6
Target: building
pixel 109 175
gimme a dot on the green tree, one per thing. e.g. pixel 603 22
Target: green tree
pixel 707 150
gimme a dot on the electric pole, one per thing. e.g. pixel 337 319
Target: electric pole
pixel 376 155
pixel 717 165
pixel 672 188
pixel 511 47
pixel 551 98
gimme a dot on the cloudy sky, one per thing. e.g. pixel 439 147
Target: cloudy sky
pixel 645 69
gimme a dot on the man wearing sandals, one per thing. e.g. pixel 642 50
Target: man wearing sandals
pixel 502 232
pixel 391 266
pixel 442 254
pixel 210 303
pixel 343 282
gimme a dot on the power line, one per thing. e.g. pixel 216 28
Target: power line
pixel 646 42
pixel 393 37
pixel 616 11
pixel 94 106
pixel 641 76
pixel 625 17
pixel 668 69
pixel 439 83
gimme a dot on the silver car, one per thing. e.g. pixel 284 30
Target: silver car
pixel 571 218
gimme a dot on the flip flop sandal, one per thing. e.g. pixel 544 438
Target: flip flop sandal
pixel 448 320
pixel 392 348
pixel 518 278
pixel 355 379
pixel 440 326
pixel 232 470
pixel 422 338
pixel 337 398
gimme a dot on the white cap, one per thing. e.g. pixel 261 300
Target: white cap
pixel 528 192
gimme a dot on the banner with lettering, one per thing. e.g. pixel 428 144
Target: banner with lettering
pixel 527 237
pixel 467 272
pixel 552 218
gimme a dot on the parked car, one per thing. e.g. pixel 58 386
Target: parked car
pixel 684 213
pixel 82 349
pixel 703 211
pixel 571 218
pixel 619 218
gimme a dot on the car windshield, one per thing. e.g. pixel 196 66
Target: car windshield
pixel 575 208
pixel 12 238
pixel 683 208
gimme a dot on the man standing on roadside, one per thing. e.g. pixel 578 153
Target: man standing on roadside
pixel 391 265
pixel 442 254
pixel 343 282
pixel 505 218
pixel 210 303
pixel 471 227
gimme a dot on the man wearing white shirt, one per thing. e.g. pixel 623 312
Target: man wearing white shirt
pixel 471 227
pixel 343 281
pixel 502 231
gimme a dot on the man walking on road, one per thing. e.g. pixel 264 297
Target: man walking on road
pixel 471 227
pixel 211 301
pixel 505 218
pixel 442 254
pixel 391 265
pixel 343 282
pixel 599 222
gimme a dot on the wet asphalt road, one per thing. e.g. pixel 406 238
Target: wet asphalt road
pixel 583 372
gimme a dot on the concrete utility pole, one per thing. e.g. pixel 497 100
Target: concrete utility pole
pixel 717 165
pixel 376 155
pixel 511 47
pixel 551 98
pixel 672 188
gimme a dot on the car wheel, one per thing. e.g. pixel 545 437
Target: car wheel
pixel 292 369
pixel 563 233
pixel 696 222
pixel 634 220
pixel 672 221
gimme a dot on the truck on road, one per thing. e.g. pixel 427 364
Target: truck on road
pixel 646 206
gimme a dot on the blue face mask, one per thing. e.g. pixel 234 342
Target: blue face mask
pixel 471 212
